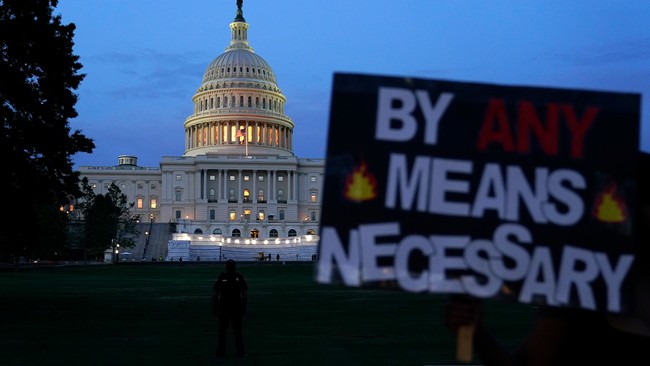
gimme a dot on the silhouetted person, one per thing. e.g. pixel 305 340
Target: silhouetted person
pixel 229 299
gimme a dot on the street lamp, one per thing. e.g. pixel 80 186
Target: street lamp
pixel 146 242
pixel 117 252
pixel 146 237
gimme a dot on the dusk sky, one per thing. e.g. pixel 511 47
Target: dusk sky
pixel 145 59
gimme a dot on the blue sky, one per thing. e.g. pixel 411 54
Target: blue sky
pixel 144 59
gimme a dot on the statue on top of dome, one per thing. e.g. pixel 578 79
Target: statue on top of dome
pixel 240 13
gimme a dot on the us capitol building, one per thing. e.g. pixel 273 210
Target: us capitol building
pixel 238 190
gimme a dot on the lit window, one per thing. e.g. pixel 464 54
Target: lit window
pixel 313 178
pixel 232 177
pixel 280 178
pixel 212 177
pixel 247 214
pixel 260 195
pixel 246 178
pixel 313 196
pixel 153 203
pixel 260 178
pixel 178 177
pixel 260 215
pixel 140 202
pixel 233 215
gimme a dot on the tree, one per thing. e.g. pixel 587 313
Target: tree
pixel 108 219
pixel 38 74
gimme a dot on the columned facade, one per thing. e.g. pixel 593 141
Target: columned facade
pixel 238 177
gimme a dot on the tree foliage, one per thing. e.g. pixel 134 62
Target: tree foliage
pixel 108 219
pixel 38 76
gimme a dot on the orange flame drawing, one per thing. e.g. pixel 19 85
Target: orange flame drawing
pixel 360 185
pixel 610 207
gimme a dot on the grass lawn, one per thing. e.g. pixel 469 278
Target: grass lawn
pixel 159 314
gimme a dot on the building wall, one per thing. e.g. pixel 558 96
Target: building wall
pixel 182 184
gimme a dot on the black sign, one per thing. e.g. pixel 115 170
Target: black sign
pixel 485 190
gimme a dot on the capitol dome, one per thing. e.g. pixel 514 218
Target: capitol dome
pixel 239 108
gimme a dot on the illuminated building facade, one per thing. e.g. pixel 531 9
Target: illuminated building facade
pixel 238 179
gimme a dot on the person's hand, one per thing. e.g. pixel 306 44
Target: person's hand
pixel 461 311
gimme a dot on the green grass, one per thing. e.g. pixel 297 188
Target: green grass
pixel 159 314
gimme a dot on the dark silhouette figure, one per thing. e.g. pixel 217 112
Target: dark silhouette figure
pixel 229 299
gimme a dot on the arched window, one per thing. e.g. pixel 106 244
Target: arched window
pixel 211 194
pixel 255 233
pixel 281 195
pixel 260 196
pixel 198 231
pixel 273 233
pixel 236 233
pixel 247 194
pixel 231 195
pixel 250 102
pixel 217 232
pixel 311 232
pixel 292 232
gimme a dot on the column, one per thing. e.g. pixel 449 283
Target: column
pixel 289 190
pixel 254 193
pixel 225 184
pixel 240 195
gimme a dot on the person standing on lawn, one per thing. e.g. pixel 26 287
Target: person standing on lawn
pixel 229 300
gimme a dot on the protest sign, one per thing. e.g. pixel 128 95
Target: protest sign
pixel 481 189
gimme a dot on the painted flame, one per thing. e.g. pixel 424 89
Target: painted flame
pixel 360 185
pixel 610 207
